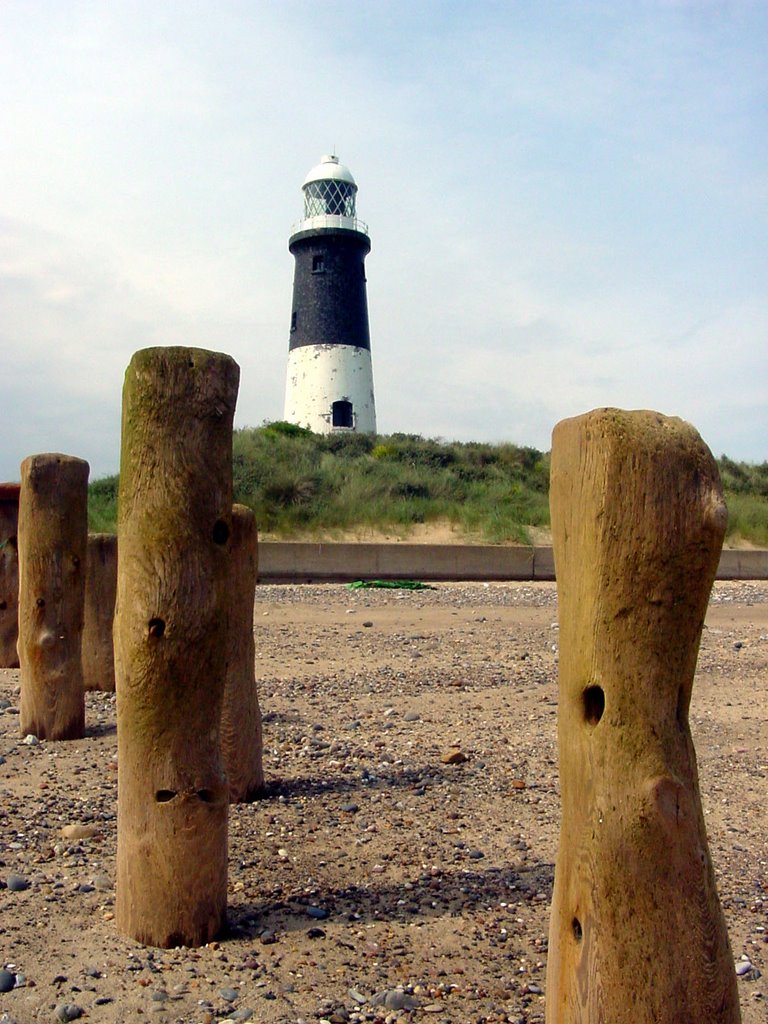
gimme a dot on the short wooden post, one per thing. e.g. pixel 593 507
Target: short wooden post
pixel 100 590
pixel 174 525
pixel 53 529
pixel 241 718
pixel 637 935
pixel 9 575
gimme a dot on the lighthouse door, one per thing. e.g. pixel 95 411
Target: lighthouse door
pixel 342 414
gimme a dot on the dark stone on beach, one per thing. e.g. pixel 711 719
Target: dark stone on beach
pixel 68 1011
pixel 395 999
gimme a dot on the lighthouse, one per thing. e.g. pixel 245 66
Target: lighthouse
pixel 329 386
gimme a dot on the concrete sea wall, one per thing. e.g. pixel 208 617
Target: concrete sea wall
pixel 326 563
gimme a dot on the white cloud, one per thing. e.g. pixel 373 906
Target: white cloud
pixel 566 205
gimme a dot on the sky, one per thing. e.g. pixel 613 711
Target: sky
pixel 566 203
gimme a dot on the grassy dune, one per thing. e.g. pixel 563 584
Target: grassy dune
pixel 299 483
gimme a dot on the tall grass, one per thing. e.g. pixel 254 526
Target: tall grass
pixel 299 483
pixel 102 505
pixel 296 481
pixel 747 519
pixel 746 495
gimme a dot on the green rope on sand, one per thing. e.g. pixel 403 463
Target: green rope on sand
pixel 390 585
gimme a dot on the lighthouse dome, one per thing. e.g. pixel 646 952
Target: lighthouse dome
pixel 329 191
pixel 331 169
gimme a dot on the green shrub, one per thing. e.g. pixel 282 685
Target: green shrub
pixel 383 451
pixel 102 505
pixel 747 517
pixel 297 481
pixel 281 428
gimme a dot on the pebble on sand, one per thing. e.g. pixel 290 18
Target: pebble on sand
pixel 454 756
pixel 68 1011
pixel 78 831
pixel 318 913
pixel 395 999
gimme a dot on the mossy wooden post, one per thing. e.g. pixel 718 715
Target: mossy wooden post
pixel 637 935
pixel 241 718
pixel 100 590
pixel 9 575
pixel 53 531
pixel 174 524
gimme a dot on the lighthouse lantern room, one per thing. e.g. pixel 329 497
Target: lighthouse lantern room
pixel 329 385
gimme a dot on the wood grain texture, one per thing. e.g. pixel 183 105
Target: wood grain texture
pixel 9 575
pixel 241 741
pixel 99 616
pixel 53 530
pixel 637 935
pixel 174 526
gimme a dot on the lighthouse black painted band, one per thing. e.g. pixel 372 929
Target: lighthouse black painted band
pixel 330 305
pixel 360 236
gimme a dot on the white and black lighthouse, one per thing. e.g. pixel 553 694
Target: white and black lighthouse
pixel 330 376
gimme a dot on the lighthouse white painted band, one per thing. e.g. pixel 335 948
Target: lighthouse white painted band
pixel 330 220
pixel 318 376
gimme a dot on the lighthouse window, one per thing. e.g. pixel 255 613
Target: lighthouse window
pixel 293 321
pixel 317 264
pixel 336 198
pixel 342 414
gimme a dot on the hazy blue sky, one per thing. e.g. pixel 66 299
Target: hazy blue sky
pixel 566 200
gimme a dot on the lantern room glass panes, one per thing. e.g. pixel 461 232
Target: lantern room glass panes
pixel 329 197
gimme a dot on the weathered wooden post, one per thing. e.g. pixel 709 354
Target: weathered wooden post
pixel 9 575
pixel 53 529
pixel 637 935
pixel 174 525
pixel 100 590
pixel 241 742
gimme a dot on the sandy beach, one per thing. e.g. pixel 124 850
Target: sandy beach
pixel 400 865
